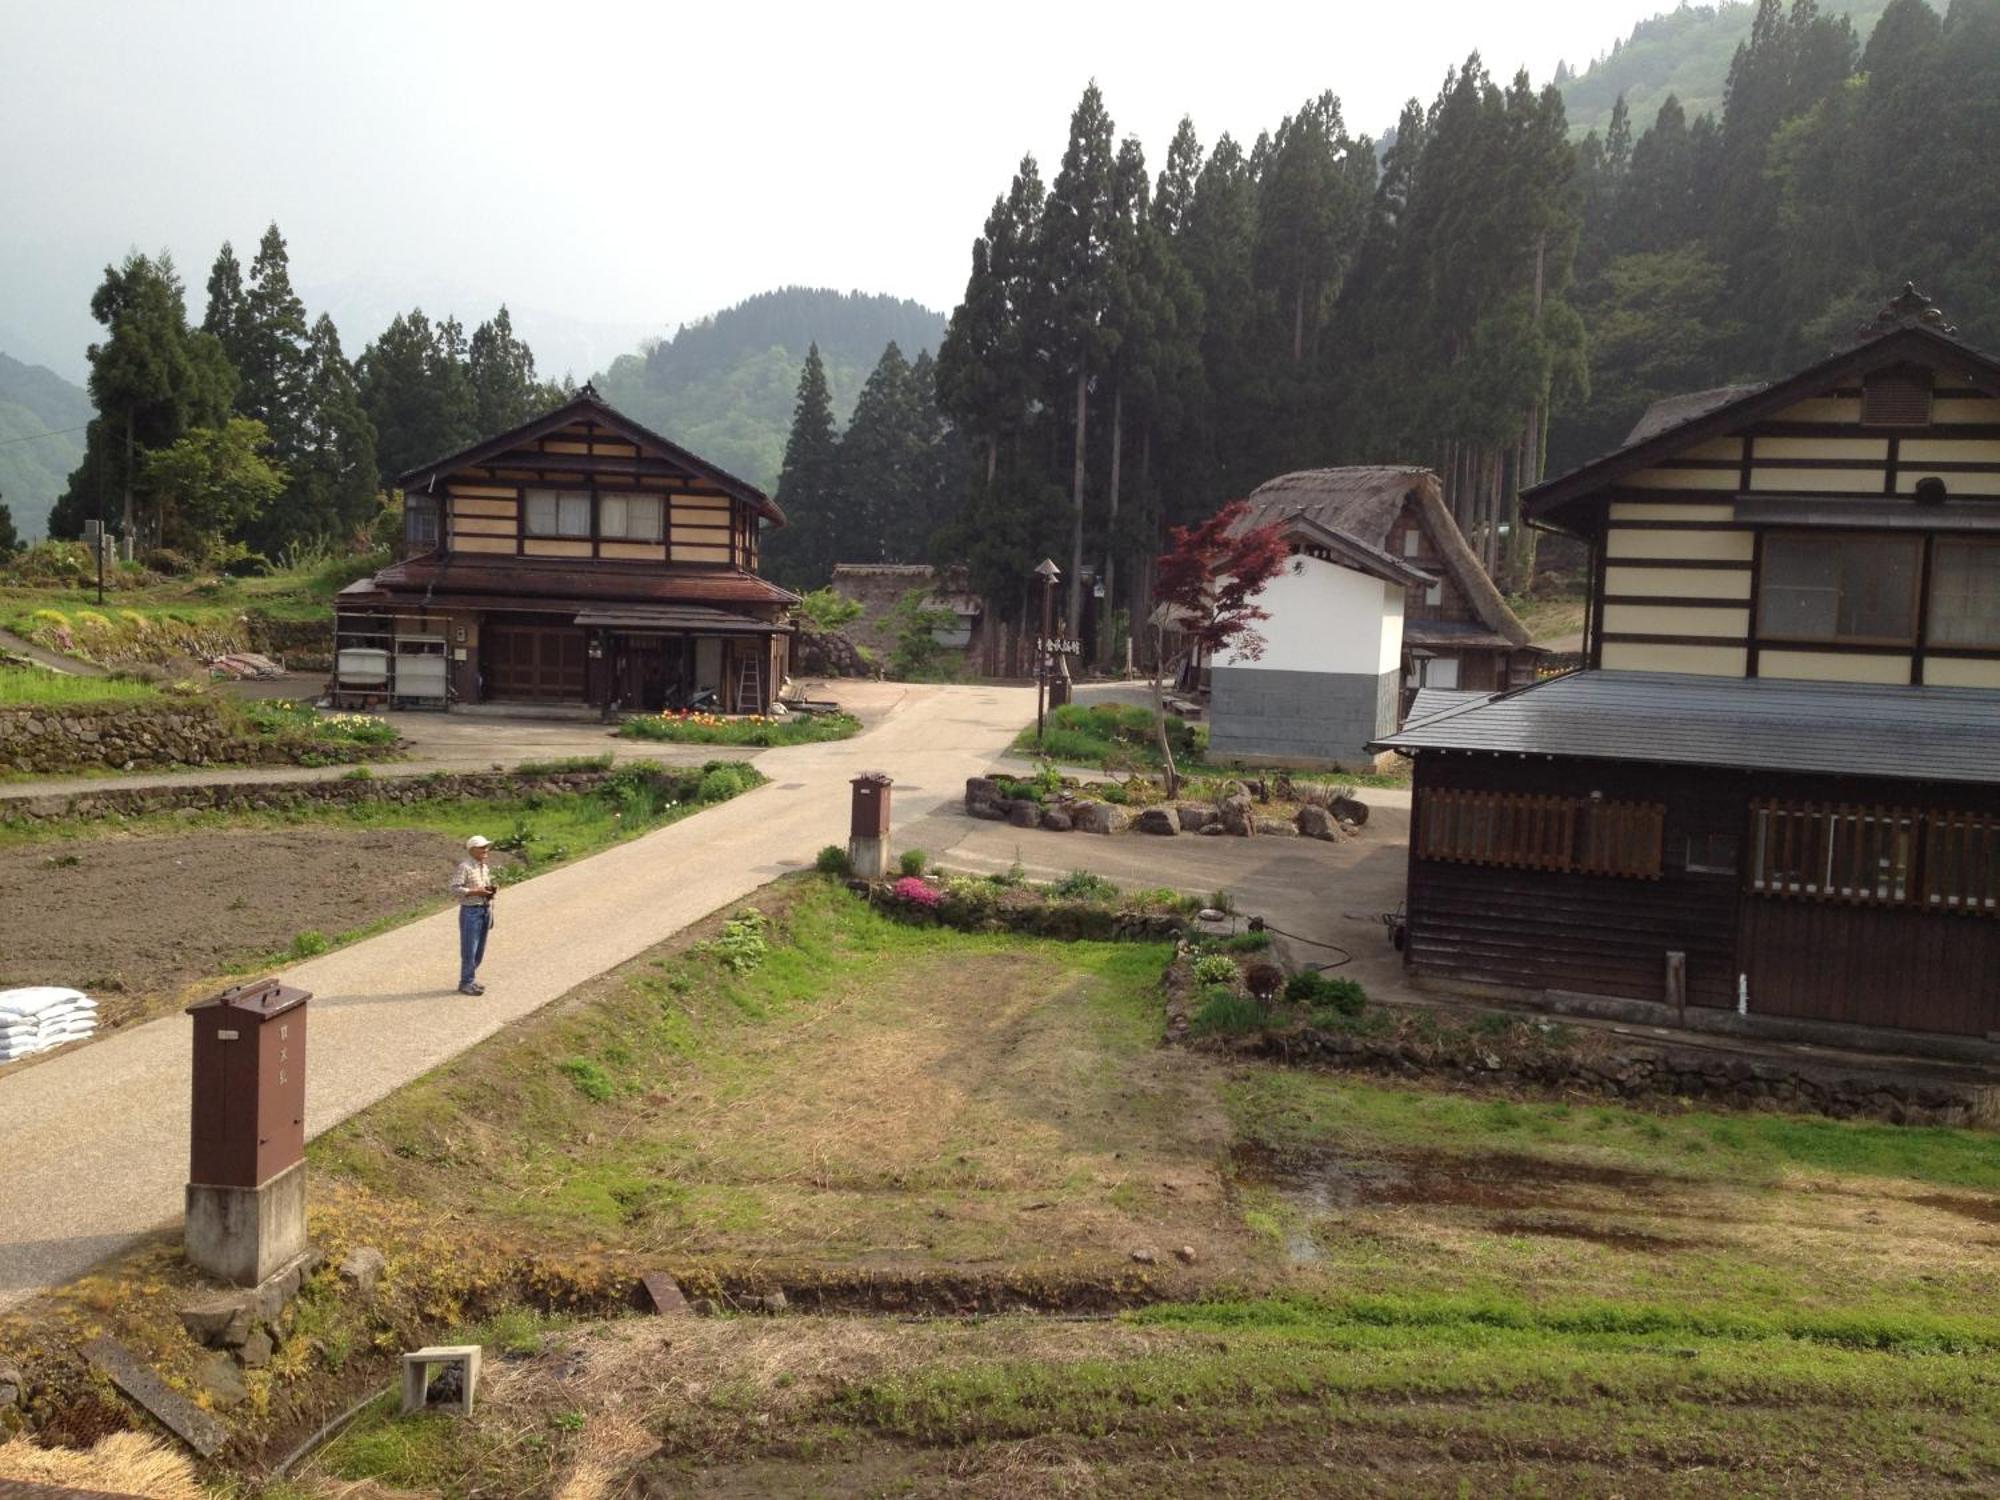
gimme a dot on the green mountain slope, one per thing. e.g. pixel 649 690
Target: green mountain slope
pixel 724 386
pixel 1685 52
pixel 33 469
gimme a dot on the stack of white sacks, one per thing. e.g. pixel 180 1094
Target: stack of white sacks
pixel 34 1020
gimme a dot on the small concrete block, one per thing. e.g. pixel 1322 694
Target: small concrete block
pixel 464 1358
pixel 181 1416
pixel 664 1295
pixel 773 1302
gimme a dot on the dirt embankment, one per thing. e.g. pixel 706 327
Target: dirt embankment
pixel 133 919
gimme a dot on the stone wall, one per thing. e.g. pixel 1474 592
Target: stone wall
pixel 124 737
pixel 132 802
pixel 1652 1073
pixel 302 645
pixel 1298 718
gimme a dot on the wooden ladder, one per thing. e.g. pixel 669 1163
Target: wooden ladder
pixel 749 686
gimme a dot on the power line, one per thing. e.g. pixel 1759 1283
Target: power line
pixel 32 436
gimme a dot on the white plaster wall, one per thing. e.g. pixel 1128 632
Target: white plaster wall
pixel 1326 618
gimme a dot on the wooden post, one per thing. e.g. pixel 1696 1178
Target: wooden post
pixel 1677 984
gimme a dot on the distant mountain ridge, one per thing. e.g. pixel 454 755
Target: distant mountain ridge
pixel 38 448
pixel 1684 52
pixel 724 385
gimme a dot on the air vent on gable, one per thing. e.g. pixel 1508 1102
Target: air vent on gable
pixel 1896 398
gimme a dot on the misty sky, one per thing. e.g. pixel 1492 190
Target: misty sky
pixel 611 170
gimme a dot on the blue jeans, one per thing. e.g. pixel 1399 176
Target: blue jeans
pixel 472 924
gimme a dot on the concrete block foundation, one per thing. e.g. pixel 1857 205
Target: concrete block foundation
pixel 243 1235
pixel 1302 719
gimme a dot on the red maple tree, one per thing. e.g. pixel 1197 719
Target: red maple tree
pixel 1205 591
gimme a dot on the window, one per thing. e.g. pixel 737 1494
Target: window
pixel 1855 854
pixel 420 523
pixel 1578 835
pixel 1712 853
pixel 1413 543
pixel 1897 398
pixel 1434 594
pixel 630 518
pixel 558 513
pixel 1962 862
pixel 1839 588
pixel 1965 592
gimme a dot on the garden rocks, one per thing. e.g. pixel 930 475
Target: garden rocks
pixel 1057 819
pixel 826 653
pixel 10 1386
pixel 1024 814
pixel 216 1377
pixel 1156 820
pixel 361 1268
pixel 220 1320
pixel 1349 810
pixel 1317 823
pixel 1235 815
pixel 1194 817
pixel 1276 828
pixel 1097 817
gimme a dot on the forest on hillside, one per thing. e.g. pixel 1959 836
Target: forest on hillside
pixel 42 417
pixel 1489 297
pixel 724 386
pixel 1685 52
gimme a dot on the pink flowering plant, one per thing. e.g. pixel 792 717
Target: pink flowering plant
pixel 915 891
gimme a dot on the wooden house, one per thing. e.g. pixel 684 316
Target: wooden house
pixel 579 559
pixel 1773 792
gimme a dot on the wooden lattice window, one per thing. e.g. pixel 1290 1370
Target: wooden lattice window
pixel 1819 852
pixel 1896 398
pixel 1962 863
pixel 1571 834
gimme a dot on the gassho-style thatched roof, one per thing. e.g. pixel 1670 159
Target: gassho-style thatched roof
pixel 1363 503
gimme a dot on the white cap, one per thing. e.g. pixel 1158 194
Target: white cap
pixel 478 841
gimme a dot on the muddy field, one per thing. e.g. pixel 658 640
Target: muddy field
pixel 134 921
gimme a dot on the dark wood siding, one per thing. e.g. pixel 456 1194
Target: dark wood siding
pixel 1535 929
pixel 537 662
pixel 1810 959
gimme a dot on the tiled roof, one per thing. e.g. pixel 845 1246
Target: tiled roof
pixel 443 576
pixel 1757 723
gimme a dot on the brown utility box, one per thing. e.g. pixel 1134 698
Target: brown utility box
pixel 249 1117
pixel 871 806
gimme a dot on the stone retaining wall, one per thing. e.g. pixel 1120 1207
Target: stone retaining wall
pixel 1643 1072
pixel 124 737
pixel 264 796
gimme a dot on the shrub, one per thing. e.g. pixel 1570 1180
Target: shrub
pixel 719 784
pixel 166 560
pixel 1326 992
pixel 1082 885
pixel 740 947
pixel 1245 942
pixel 829 609
pixel 1215 968
pixel 832 860
pixel 915 622
pixel 912 861
pixel 249 565
pixel 308 945
pixel 1222 901
pixel 1225 1011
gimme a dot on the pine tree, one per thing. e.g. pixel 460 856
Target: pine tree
pixel 152 378
pixel 881 466
pixel 1076 266
pixel 335 487
pixel 501 371
pixel 272 338
pixel 228 317
pixel 801 555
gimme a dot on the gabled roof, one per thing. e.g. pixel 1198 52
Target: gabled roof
pixel 1352 553
pixel 1905 333
pixel 587 406
pixel 1362 504
pixel 525 581
pixel 1738 723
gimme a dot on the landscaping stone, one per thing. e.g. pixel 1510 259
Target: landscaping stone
pixel 220 1320
pixel 772 1302
pixel 10 1386
pixel 1277 828
pixel 1316 823
pixel 1185 1255
pixel 216 1376
pixel 991 811
pixel 256 1351
pixel 664 1294
pixel 361 1268
pixel 1024 813
pixel 131 736
pixel 1156 820
pixel 1057 819
pixel 1144 1258
pixel 706 1307
pixel 1194 817
pixel 1097 817
pixel 1235 815
pixel 1349 810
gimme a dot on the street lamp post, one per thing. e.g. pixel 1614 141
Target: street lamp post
pixel 1050 574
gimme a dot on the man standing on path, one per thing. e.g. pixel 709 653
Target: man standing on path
pixel 472 884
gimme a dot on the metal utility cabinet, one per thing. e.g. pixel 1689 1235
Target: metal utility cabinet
pixel 868 830
pixel 247 1132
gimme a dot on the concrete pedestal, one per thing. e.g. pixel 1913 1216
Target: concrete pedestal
pixel 246 1235
pixel 868 858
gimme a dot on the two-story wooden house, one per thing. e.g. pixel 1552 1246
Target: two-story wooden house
pixel 1775 788
pixel 579 559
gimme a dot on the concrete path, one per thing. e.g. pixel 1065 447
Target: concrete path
pixel 95 1143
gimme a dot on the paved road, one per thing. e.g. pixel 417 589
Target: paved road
pixel 95 1143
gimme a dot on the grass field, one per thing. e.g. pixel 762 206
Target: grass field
pixel 1355 1288
pixel 750 729
pixel 34 687
pixel 1125 737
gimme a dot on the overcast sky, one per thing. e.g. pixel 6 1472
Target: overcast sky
pixel 613 169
